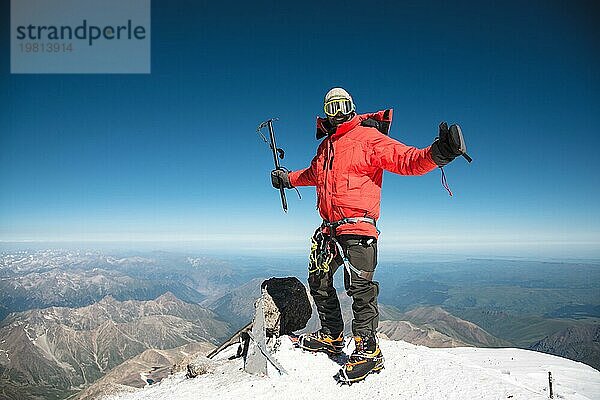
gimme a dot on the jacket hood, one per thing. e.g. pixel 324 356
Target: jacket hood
pixel 384 117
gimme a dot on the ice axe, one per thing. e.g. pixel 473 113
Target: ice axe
pixel 277 154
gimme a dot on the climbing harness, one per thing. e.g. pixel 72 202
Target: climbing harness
pixel 322 252
pixel 325 247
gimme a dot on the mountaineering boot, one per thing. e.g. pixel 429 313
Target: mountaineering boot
pixel 366 359
pixel 320 341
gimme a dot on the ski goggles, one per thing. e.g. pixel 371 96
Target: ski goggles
pixel 336 106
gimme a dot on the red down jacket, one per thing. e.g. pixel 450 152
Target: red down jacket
pixel 348 171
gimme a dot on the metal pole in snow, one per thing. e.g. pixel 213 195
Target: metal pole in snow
pixel 550 384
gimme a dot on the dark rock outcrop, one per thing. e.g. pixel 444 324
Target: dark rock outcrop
pixel 291 301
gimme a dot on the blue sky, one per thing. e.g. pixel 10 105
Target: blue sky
pixel 173 155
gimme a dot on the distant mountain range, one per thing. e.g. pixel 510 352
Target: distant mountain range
pixel 581 343
pixel 237 305
pixel 453 326
pixel 49 278
pixel 422 336
pixel 75 288
pixel 435 327
pixel 57 351
pixel 41 279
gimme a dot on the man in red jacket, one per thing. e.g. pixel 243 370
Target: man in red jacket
pixel 347 172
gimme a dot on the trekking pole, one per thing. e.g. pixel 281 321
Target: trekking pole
pixel 276 152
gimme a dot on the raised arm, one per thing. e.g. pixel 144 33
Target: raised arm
pixel 396 157
pixel 306 176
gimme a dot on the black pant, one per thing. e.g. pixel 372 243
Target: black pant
pixel 361 252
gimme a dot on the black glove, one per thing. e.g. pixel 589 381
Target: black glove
pixel 279 178
pixel 448 145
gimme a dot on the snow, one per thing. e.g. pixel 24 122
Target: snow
pixel 529 369
pixel 25 329
pixel 411 372
pixel 6 354
pixel 144 378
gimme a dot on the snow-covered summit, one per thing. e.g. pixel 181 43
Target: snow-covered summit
pixel 411 372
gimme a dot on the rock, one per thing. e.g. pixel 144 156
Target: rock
pixel 199 366
pixel 272 314
pixel 286 306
